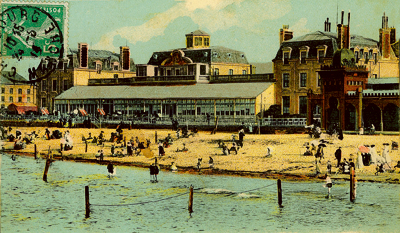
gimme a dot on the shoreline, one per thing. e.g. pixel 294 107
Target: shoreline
pixel 287 163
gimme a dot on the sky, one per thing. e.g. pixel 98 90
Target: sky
pixel 250 26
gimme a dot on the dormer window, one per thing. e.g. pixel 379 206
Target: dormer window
pixel 116 66
pixel 321 53
pixel 206 41
pixel 198 41
pixel 155 56
pixel 304 54
pixel 286 55
pixel 205 54
pixel 215 54
pixel 229 55
pixel 242 56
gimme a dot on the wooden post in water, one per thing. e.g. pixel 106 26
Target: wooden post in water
pixel 86 146
pixel 190 207
pixel 155 137
pixel 35 151
pixel 352 185
pixel 280 193
pixel 46 169
pixel 87 203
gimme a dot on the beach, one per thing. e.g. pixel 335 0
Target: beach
pixel 287 160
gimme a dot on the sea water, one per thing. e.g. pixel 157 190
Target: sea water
pixel 129 202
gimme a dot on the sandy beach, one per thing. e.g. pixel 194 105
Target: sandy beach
pixel 287 161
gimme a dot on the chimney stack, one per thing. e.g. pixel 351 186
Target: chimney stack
pixel 83 55
pixel 125 59
pixel 285 34
pixel 341 22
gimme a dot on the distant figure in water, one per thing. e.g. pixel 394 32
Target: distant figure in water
pixel 328 184
pixel 154 171
pixel 110 168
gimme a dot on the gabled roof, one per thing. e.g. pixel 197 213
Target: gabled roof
pixel 199 91
pixel 214 54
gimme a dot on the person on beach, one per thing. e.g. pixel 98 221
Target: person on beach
pixel 241 136
pixel 112 149
pixel 129 148
pixel 110 169
pixel 359 162
pixel 338 156
pixel 173 167
pixel 269 152
pixel 317 168
pixel 47 133
pixel 161 151
pixel 225 149
pixel 234 148
pixel 329 167
pixel 211 162
pixel 199 163
pixel 320 152
pixel 385 153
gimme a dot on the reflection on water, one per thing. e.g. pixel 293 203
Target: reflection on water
pixel 221 204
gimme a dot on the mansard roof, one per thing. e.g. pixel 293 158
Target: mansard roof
pixel 214 54
pixel 317 39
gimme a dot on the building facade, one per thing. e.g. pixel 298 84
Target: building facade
pixel 78 68
pixel 228 101
pixel 299 60
pixel 16 92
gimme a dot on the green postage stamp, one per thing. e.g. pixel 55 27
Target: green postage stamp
pixel 33 29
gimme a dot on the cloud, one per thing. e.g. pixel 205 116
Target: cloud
pixel 211 14
pixel 299 28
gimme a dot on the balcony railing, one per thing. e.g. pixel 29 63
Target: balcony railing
pixel 269 77
pixel 144 80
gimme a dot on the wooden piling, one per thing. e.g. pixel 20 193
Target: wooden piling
pixel 87 203
pixel 86 146
pixel 46 169
pixel 280 193
pixel 35 151
pixel 155 137
pixel 190 207
pixel 352 185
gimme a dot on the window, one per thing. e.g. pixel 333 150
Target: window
pixel 321 54
pixel 11 91
pixel 230 71
pixel 28 91
pixel 28 99
pixel 285 104
pixel 216 71
pixel 318 80
pixel 65 85
pixel 206 41
pixel 189 42
pixel 43 102
pixel 177 72
pixel 54 86
pixel 11 99
pixel 20 99
pixel 375 58
pixel 286 58
pixel 303 79
pixel 98 68
pixel 19 91
pixel 198 41
pixel 285 81
pixel 2 99
pixel 303 55
pixel 44 83
pixel 203 70
pixel 356 56
pixel 302 104
pixel 244 72
pixel 3 90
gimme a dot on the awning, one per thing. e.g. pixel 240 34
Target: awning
pixel 101 111
pixel 83 112
pixel 21 108
pixel 44 111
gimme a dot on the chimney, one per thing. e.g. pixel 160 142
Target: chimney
pixel 341 22
pixel 125 60
pixel 385 37
pixel 285 34
pixel 327 25
pixel 343 39
pixel 83 55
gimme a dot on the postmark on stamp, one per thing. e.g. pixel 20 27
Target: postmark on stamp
pixel 33 29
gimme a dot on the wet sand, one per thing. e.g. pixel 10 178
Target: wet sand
pixel 287 161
